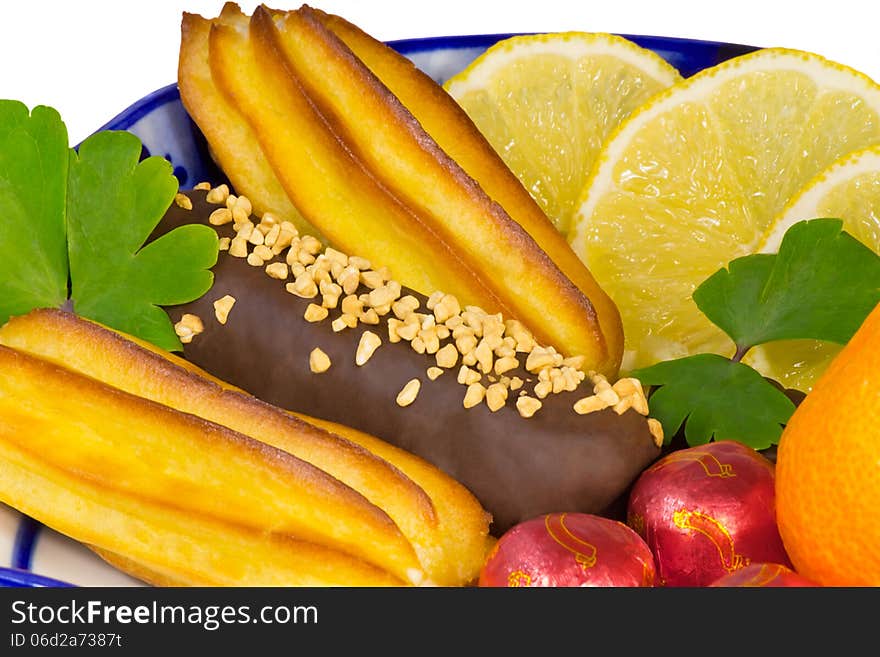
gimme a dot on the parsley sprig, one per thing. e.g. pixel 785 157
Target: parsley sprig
pixel 73 223
pixel 820 285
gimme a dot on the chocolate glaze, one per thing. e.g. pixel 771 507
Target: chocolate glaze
pixel 518 468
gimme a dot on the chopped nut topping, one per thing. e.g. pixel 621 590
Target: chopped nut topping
pixel 630 389
pixel 286 235
pixel 256 237
pixel 311 245
pixel 404 306
pixel 349 279
pixel 446 308
pixel 589 405
pixel 318 361
pixel 218 195
pixel 183 201
pixel 188 327
pixel 277 270
pixel 541 357
pixel 203 185
pixel 484 355
pixel 361 264
pixel 465 344
pixel 336 256
pixel 243 203
pixel 222 306
pixel 304 287
pixel 467 376
pixel 263 251
pixel 623 405
pixel 627 386
pixel 270 219
pixel 505 364
pixel 608 396
pixel 223 244
pixel 408 331
pixel 656 430
pixel 372 279
pixel 447 356
pixel 220 217
pixel 484 345
pixel 315 313
pixel 528 406
pixel 496 396
pixel 330 293
pixel 238 248
pixel 432 342
pixel 434 299
pixel 238 213
pixel 393 325
pixel 244 230
pixel 382 296
pixel 409 392
pixel 474 395
pixel 292 259
pixel 272 236
pixel 352 305
pixel 640 404
pixel 369 316
pixel 543 388
pixel 367 345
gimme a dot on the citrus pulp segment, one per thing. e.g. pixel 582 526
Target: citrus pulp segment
pixel 692 179
pixel 547 102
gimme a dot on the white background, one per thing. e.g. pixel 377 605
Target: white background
pixel 92 58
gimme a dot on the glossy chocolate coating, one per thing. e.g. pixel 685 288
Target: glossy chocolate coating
pixel 518 468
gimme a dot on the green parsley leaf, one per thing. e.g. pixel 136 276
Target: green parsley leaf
pixel 33 186
pixel 718 398
pixel 114 202
pixel 821 285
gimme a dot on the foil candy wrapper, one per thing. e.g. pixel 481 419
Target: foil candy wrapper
pixel 707 511
pixel 569 549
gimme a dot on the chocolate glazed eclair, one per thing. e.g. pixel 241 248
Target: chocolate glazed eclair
pixel 556 460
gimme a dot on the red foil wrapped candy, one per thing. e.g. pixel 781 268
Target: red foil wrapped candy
pixel 569 549
pixel 763 575
pixel 707 511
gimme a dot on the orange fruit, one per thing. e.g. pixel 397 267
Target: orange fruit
pixel 828 469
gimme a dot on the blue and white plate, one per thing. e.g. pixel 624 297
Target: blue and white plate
pixel 32 555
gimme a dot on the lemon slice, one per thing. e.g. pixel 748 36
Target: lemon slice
pixel 849 189
pixel 547 102
pixel 693 178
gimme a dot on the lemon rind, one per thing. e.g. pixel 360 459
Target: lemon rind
pixel 571 45
pixel 805 203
